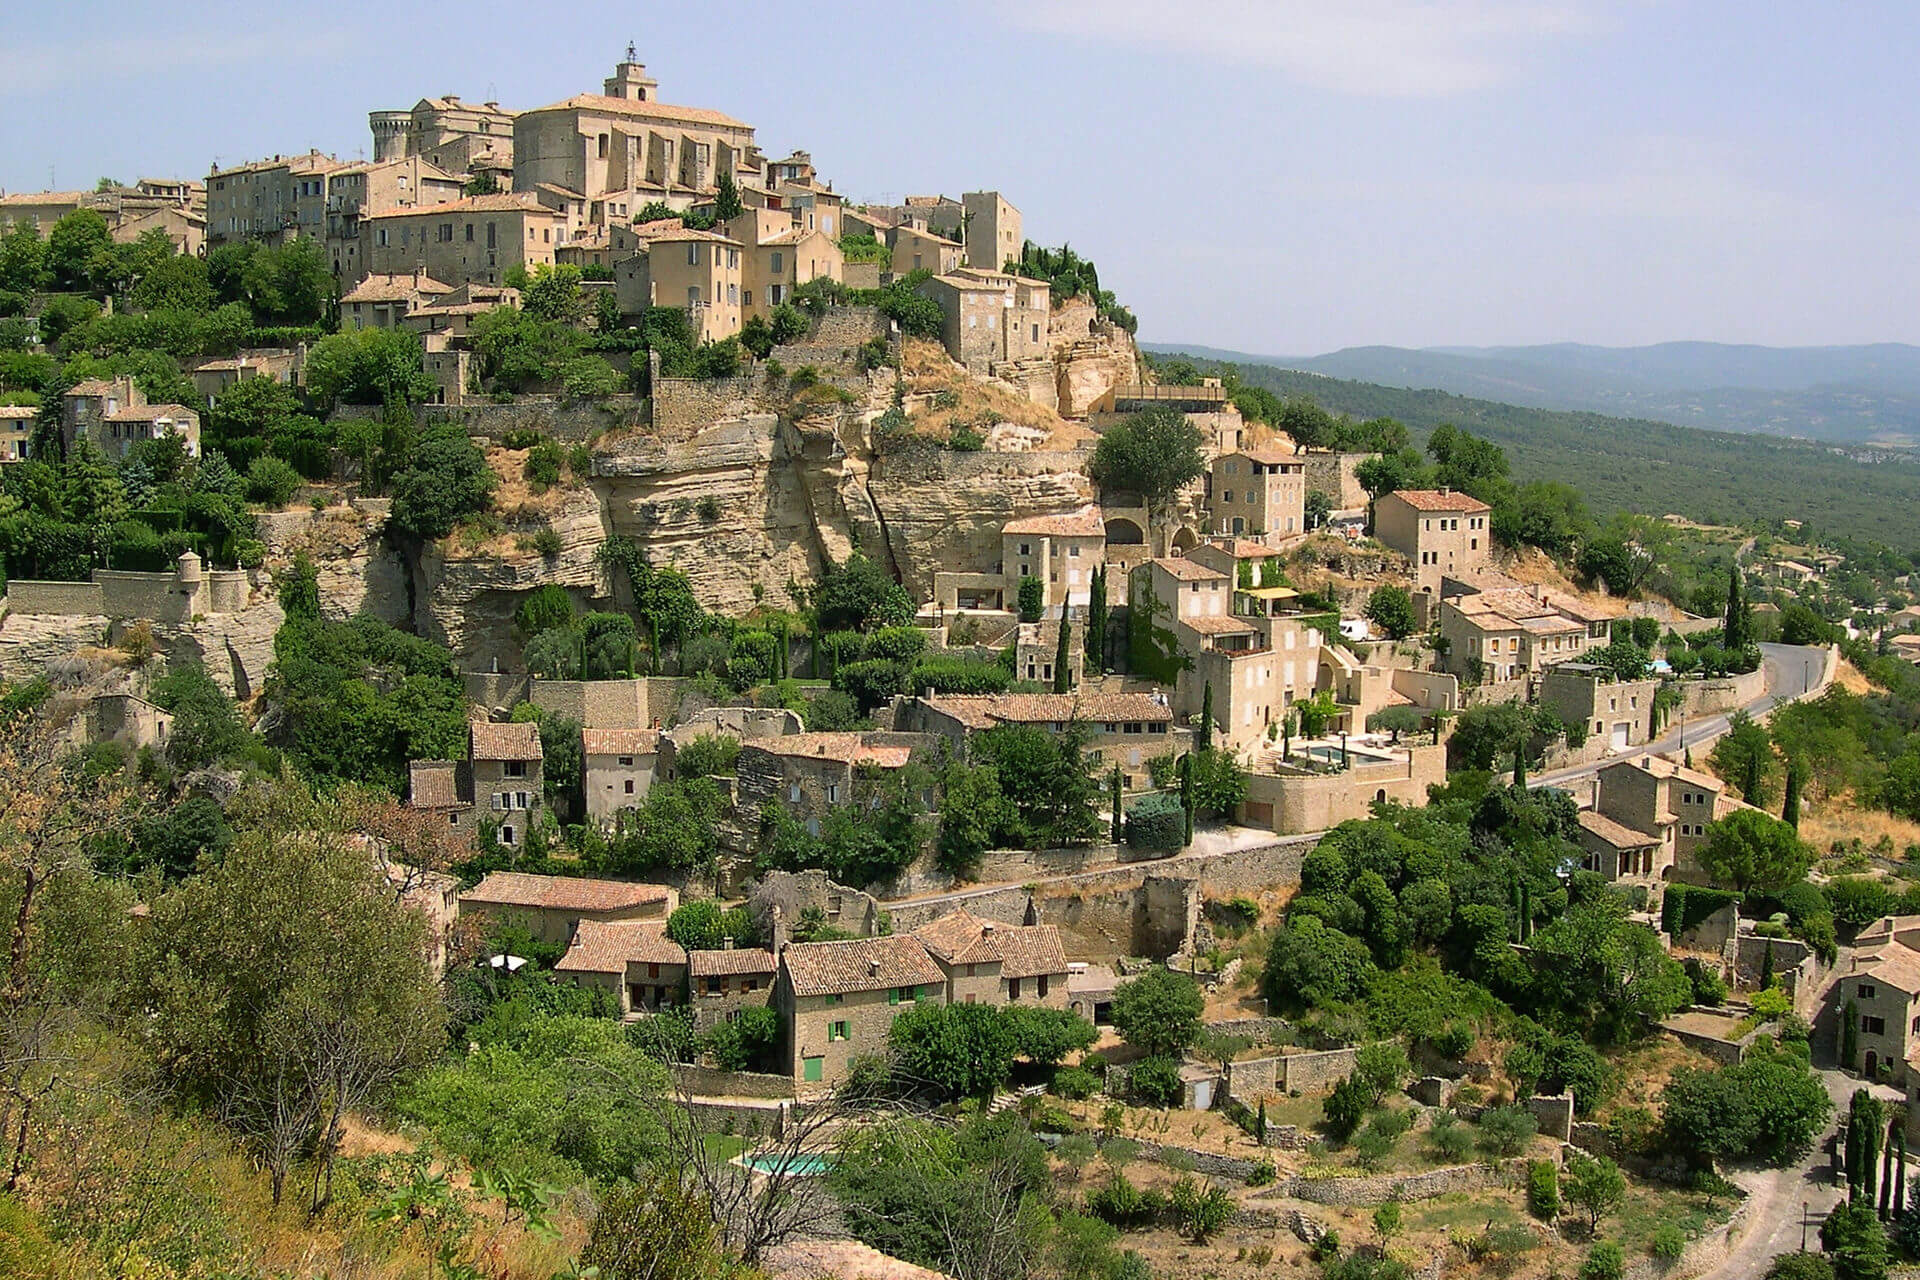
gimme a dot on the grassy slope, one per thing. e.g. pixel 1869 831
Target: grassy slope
pixel 1651 468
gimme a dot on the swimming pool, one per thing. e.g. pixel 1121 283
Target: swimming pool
pixel 805 1165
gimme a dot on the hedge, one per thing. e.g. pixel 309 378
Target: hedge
pixel 1686 905
pixel 1157 822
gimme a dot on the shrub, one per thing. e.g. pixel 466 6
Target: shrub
pixel 1543 1190
pixel 1668 1242
pixel 1263 1174
pixel 1448 1141
pixel 1157 822
pixel 1455 1040
pixel 1120 1203
pixel 1505 1131
pixel 1199 1211
pixel 543 464
pixel 1075 1083
pixel 1605 1261
pixel 272 482
pixel 1156 1082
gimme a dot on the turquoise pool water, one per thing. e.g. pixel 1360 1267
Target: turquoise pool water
pixel 800 1166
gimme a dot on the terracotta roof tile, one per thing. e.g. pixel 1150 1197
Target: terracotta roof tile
pixel 633 107
pixel 563 893
pixel 1029 950
pixel 848 748
pixel 504 741
pixel 18 411
pixel 498 202
pixel 728 961
pixel 983 710
pixel 1218 625
pixel 1896 965
pixel 1084 523
pixel 1021 951
pixel 859 964
pixel 1439 500
pixel 958 938
pixel 434 784
pixel 1271 454
pixel 608 946
pixel 1188 570
pixel 152 413
pixel 619 742
pixel 394 287
pixel 1617 834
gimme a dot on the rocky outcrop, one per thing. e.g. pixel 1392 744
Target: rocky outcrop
pixel 359 570
pixel 1090 357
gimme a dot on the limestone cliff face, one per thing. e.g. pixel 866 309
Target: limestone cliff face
pixel 1090 357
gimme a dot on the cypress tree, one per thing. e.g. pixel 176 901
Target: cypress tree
pixel 1097 621
pixel 1062 680
pixel 1900 1172
pixel 1886 1172
pixel 1260 1124
pixel 1186 793
pixel 1790 807
pixel 1853 1153
pixel 1869 1157
pixel 1766 966
pixel 1849 1036
pixel 1119 789
pixel 1739 625
pixel 1520 766
pixel 1205 739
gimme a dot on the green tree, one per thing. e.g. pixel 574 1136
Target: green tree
pixel 1310 965
pixel 1382 1067
pixel 77 240
pixel 1096 641
pixel 1855 1242
pixel 1219 784
pixel 1595 1186
pixel 1750 850
pixel 1153 454
pixel 445 479
pixel 1604 1261
pixel 553 293
pixel 291 284
pixel 1391 609
pixel 658 1228
pixel 1799 1266
pixel 963 1050
pixel 1769 1107
pixel 1744 757
pixel 1739 619
pixel 1047 781
pixel 1158 1012
pixel 23 259
pixel 726 200
pixel 206 725
pixel 858 595
pixel 368 366
pixel 1062 677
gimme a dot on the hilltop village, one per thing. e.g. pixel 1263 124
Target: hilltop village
pixel 797 654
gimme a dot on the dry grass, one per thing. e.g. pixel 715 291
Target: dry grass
pixel 1848 677
pixel 1843 818
pixel 926 369
pixel 1641 1072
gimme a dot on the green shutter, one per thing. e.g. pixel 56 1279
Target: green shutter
pixel 812 1069
pixel 893 996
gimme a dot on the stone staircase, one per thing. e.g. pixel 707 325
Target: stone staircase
pixel 1007 1101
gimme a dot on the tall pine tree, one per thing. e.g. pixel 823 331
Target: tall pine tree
pixel 1739 624
pixel 1097 622
pixel 1204 740
pixel 1062 678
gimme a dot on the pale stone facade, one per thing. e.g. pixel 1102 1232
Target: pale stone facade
pixel 991 318
pixel 621 765
pixel 1883 988
pixel 697 270
pixel 1517 632
pixel 1440 531
pixel 453 135
pixel 476 239
pixel 270 200
pixel 115 415
pixel 838 1000
pixel 501 778
pixel 1125 729
pixel 1665 809
pixel 1259 492
pixel 358 190
pixel 551 908
pixel 1062 551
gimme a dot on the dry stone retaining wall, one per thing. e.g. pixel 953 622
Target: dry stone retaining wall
pixel 1365 1193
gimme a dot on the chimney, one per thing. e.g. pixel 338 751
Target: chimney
pixel 986 927
pixel 873 968
pixel 726 943
pixel 777 930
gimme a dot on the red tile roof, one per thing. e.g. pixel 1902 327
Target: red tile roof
pixel 848 748
pixel 1021 951
pixel 434 784
pixel 1188 570
pixel 1439 500
pixel 563 893
pixel 983 710
pixel 608 946
pixel 859 964
pixel 619 742
pixel 1084 523
pixel 729 961
pixel 504 741
pixel 635 107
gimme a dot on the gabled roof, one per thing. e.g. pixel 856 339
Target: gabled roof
pixel 151 413
pixel 504 741
pixel 1021 951
pixel 394 287
pixel 1084 523
pixel 94 387
pixel 859 964
pixel 1439 500
pixel 434 784
pixel 635 107
pixel 847 748
pixel 1895 965
pixel 1218 625
pixel 1617 834
pixel 1271 454
pixel 18 411
pixel 984 710
pixel 1661 767
pixel 959 937
pixel 608 946
pixel 1188 570
pixel 563 893
pixel 681 234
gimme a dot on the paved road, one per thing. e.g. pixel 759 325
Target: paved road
pixel 1792 671
pixel 1776 1198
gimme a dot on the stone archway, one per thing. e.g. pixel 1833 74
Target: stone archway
pixel 1122 532
pixel 1184 541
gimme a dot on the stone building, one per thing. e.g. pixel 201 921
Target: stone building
pixel 115 415
pixel 1618 712
pixel 1292 798
pixel 500 777
pixel 620 768
pixel 626 139
pixel 995 233
pixel 476 239
pixel 552 907
pixel 916 249
pixel 991 318
pixel 726 980
pixel 1127 729
pixel 16 432
pixel 778 257
pixel 681 267
pixel 632 960
pixel 811 774
pixel 271 201
pixel 385 301
pixel 448 133
pixel 129 719
pixel 1440 531
pixel 285 365
pixel 357 190
pixel 1514 633
pixel 838 1000
pixel 986 962
pixel 1883 988
pixel 1260 491
pixel 1657 816
pixel 1062 551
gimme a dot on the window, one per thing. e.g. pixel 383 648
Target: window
pixel 626 762
pixel 839 1031
pixel 793 793
pixel 629 786
pixel 833 793
pixel 506 834
pixel 1873 1026
pixel 653 970
pixel 835 997
pixel 903 995
pixel 601 143
pixel 1041 983
pixel 516 768
pixel 1013 988
pixel 811 1069
pixel 1868 991
pixel 693 255
pixel 778 260
pixel 713 986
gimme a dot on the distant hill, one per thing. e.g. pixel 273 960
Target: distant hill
pixel 1644 466
pixel 1860 394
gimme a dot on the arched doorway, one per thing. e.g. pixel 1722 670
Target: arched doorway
pixel 1123 532
pixel 1870 1068
pixel 1184 541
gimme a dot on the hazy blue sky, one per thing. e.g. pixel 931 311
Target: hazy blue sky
pixel 1269 175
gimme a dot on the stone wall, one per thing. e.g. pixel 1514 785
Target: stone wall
pixel 569 420
pixel 1334 475
pixel 612 704
pixel 1553 1113
pixel 1494 691
pixel 1302 801
pixel 1711 697
pixel 63 599
pixel 1365 1193
pixel 742 1117
pixel 709 1082
pixel 1310 1072
pixel 684 406
pixel 1209 1163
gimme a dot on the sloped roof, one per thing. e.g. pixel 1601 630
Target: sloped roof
pixel 728 961
pixel 434 784
pixel 1271 454
pixel 848 748
pixel 93 387
pixel 959 938
pixel 983 710
pixel 608 946
pixel 635 107
pixel 1084 523
pixel 1617 834
pixel 1893 964
pixel 619 742
pixel 682 234
pixel 498 202
pixel 563 893
pixel 1021 951
pixel 1188 570
pixel 859 964
pixel 1218 625
pixel 1661 767
pixel 18 411
pixel 151 413
pixel 1439 500
pixel 394 287
pixel 1029 950
pixel 504 741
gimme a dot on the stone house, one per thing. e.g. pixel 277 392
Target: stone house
pixel 502 776
pixel 625 139
pixel 726 980
pixel 1062 551
pixel 1440 531
pixel 127 718
pixel 986 962
pixel 994 230
pixel 1037 644
pixel 353 192
pixel 1127 729
pixel 1883 985
pixel 812 774
pixel 552 907
pixel 620 768
pixel 778 257
pixel 271 201
pixel 453 135
pixel 115 415
pixel 990 317
pixel 698 270
pixel 16 432
pixel 1516 632
pixel 1658 814
pixel 285 365
pixel 916 249
pixel 838 1000
pixel 1295 798
pixel 385 301
pixel 632 960
pixel 1259 491
pixel 475 239
pixel 1620 712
